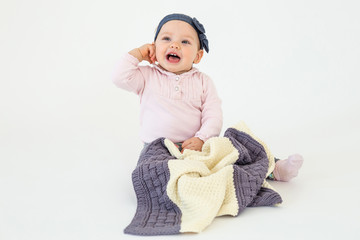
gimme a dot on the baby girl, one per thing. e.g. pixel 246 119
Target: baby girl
pixel 177 101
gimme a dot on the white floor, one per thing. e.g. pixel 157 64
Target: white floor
pixel 50 193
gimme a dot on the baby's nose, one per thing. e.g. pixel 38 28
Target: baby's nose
pixel 175 45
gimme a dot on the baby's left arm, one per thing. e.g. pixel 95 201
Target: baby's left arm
pixel 211 117
pixel 211 112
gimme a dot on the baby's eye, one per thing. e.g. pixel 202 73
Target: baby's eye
pixel 185 42
pixel 166 38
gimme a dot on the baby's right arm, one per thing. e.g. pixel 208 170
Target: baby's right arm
pixel 128 75
pixel 145 52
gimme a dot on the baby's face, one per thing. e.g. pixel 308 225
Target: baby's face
pixel 177 47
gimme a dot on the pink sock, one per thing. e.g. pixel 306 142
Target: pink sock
pixel 287 169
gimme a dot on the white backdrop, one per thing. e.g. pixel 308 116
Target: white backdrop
pixel 69 137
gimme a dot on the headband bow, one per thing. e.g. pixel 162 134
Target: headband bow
pixel 199 28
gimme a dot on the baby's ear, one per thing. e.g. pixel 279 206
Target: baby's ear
pixel 198 57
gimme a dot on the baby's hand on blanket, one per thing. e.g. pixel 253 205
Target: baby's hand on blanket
pixel 193 143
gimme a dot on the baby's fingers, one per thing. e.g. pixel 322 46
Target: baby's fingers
pixel 151 49
pixel 185 143
pixel 153 58
pixel 152 54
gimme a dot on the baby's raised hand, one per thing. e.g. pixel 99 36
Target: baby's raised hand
pixel 147 52
pixel 193 143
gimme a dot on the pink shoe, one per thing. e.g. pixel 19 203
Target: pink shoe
pixel 287 169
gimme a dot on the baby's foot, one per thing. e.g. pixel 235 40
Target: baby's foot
pixel 287 169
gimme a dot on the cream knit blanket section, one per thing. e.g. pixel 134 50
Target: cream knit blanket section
pixel 201 184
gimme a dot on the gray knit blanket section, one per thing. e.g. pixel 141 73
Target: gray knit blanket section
pixel 250 171
pixel 156 214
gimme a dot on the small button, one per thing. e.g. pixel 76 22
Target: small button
pixel 177 78
pixel 177 88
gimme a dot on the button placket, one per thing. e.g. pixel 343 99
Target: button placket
pixel 177 86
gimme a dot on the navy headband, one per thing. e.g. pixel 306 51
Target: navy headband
pixel 199 28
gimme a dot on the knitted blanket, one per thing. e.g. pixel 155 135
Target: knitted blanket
pixel 183 192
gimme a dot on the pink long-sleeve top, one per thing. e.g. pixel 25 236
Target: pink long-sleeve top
pixel 176 107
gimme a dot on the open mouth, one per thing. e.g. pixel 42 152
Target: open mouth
pixel 173 58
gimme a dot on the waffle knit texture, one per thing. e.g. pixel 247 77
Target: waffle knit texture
pixel 179 193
